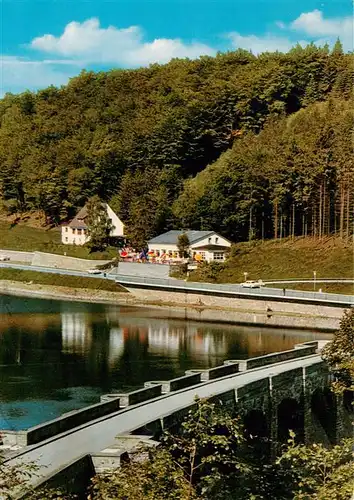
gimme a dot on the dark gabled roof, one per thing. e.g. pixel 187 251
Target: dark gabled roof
pixel 79 219
pixel 171 237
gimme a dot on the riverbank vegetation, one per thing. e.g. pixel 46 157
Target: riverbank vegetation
pixel 250 146
pixel 67 281
pixel 339 355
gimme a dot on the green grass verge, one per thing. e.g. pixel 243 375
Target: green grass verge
pixel 30 239
pixel 59 280
pixel 279 259
pixel 344 288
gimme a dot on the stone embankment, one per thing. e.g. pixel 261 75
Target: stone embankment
pixel 44 259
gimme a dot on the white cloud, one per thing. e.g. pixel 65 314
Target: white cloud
pixel 18 73
pixel 258 44
pixel 94 44
pixel 315 25
pixel 311 25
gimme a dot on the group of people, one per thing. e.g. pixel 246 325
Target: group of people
pixel 129 254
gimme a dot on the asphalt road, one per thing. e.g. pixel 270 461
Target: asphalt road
pixel 55 270
pixel 55 453
pixel 17 255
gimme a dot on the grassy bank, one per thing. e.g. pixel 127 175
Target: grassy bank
pixel 59 280
pixel 344 288
pixel 330 258
pixel 29 239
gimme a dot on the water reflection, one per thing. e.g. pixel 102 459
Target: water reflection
pixel 76 332
pixel 57 356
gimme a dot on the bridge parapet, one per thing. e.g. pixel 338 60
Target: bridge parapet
pixel 65 422
pixel 140 395
pixel 300 351
pixel 217 372
pixel 178 383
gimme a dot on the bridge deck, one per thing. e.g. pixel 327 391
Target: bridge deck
pixel 64 448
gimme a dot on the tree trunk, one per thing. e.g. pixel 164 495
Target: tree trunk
pixel 293 221
pixel 335 211
pixel 250 229
pixel 348 212
pixel 341 213
pixel 320 212
pixel 276 220
pixel 303 222
pixel 281 224
pixel 314 220
pixel 324 211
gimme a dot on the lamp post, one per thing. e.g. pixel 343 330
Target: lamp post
pixel 314 280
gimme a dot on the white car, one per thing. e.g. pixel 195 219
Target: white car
pixel 3 258
pixel 94 271
pixel 251 284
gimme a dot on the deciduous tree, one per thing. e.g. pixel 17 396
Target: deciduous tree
pixel 99 225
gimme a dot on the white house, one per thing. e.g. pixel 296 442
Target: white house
pixel 203 245
pixel 75 233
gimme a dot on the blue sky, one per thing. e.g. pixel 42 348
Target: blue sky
pixel 45 42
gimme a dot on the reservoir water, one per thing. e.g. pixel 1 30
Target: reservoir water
pixel 57 356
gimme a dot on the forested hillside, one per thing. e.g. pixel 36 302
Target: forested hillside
pixel 250 146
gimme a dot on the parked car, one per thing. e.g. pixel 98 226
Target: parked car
pixel 252 284
pixel 94 271
pixel 4 257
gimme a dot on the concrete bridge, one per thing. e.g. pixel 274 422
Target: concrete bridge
pixel 272 393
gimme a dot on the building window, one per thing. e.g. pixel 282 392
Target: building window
pixel 216 240
pixel 209 240
pixel 74 231
pixel 66 239
pixel 79 231
pixel 66 229
pixel 218 255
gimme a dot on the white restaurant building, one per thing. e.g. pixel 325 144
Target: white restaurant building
pixel 203 245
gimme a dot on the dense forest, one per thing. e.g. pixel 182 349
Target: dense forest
pixel 251 146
